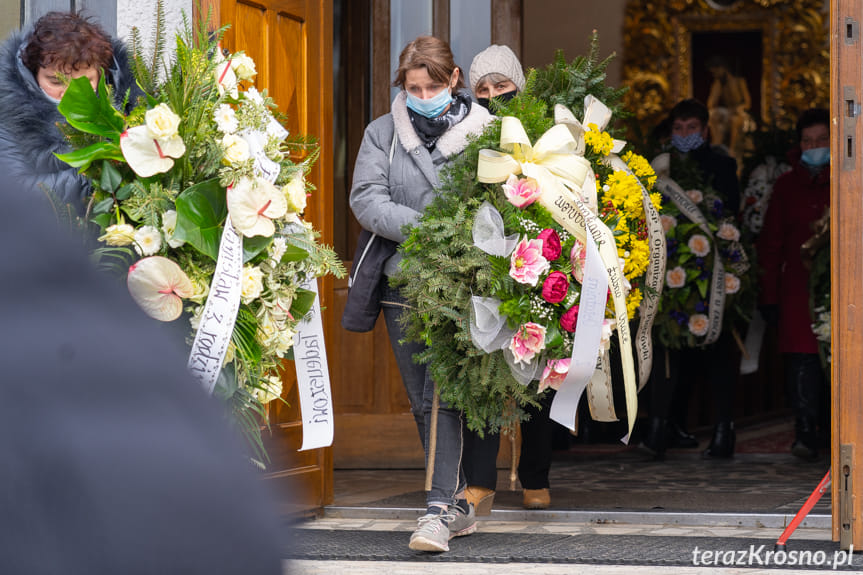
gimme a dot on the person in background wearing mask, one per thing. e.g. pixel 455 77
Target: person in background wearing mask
pixel 671 380
pixel 800 197
pixel 397 170
pixel 35 67
pixel 496 73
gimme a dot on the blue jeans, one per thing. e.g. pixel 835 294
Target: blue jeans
pixel 448 477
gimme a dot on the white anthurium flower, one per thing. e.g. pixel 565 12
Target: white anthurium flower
pixel 244 67
pixel 226 79
pixel 148 240
pixel 253 205
pixel 162 122
pixel 158 286
pixel 148 156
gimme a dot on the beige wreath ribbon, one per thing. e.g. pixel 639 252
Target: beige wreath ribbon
pixel 560 172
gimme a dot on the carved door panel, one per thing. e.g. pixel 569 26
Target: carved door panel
pixel 291 43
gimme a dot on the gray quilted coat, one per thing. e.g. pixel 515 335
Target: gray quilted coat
pixel 386 196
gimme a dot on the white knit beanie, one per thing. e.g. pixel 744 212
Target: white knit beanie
pixel 496 59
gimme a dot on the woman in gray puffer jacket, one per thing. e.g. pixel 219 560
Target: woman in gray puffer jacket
pixel 395 176
pixel 32 67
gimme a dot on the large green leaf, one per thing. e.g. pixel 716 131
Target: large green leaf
pixel 82 158
pixel 302 303
pixel 294 254
pixel 111 178
pixel 255 245
pixel 201 211
pixel 89 112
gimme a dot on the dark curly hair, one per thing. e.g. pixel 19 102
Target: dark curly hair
pixel 69 41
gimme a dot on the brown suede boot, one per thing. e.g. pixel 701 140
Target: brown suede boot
pixel 481 497
pixel 536 498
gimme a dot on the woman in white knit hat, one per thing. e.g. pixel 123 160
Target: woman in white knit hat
pixel 496 74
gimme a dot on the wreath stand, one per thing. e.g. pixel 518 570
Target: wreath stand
pixel 822 487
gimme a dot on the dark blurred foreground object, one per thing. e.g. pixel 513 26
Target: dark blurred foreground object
pixel 113 459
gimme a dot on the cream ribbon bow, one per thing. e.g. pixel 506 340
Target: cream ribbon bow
pixel 553 154
pixel 595 114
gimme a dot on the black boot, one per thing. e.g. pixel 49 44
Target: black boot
pixel 679 437
pixel 655 439
pixel 722 444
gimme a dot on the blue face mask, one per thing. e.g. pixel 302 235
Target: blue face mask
pixel 816 157
pixel 688 143
pixel 433 107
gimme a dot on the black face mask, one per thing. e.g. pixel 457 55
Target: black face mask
pixel 505 97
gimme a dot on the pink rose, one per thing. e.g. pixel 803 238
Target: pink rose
pixel 521 192
pixel 577 257
pixel 527 342
pixel 527 263
pixel 554 373
pixel 550 244
pixel 554 287
pixel 569 319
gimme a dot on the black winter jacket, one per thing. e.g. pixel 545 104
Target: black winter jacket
pixel 29 136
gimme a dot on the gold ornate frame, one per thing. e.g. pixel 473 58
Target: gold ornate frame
pixel 657 51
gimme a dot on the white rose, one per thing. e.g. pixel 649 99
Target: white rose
pixel 295 192
pixel 236 149
pixel 252 283
pixel 226 119
pixel 148 240
pixel 118 235
pixel 271 388
pixel 244 67
pixel 162 122
pixel 284 341
pixel 169 225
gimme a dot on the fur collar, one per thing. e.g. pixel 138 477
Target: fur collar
pixel 452 142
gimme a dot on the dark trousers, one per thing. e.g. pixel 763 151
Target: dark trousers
pixel 805 386
pixel 480 454
pixel 675 371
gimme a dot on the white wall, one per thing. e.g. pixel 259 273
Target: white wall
pixel 142 14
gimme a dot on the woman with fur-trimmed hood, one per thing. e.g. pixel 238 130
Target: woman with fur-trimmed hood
pixel 35 67
pixel 395 177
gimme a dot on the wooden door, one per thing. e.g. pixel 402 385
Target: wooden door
pixel 291 43
pixel 846 176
